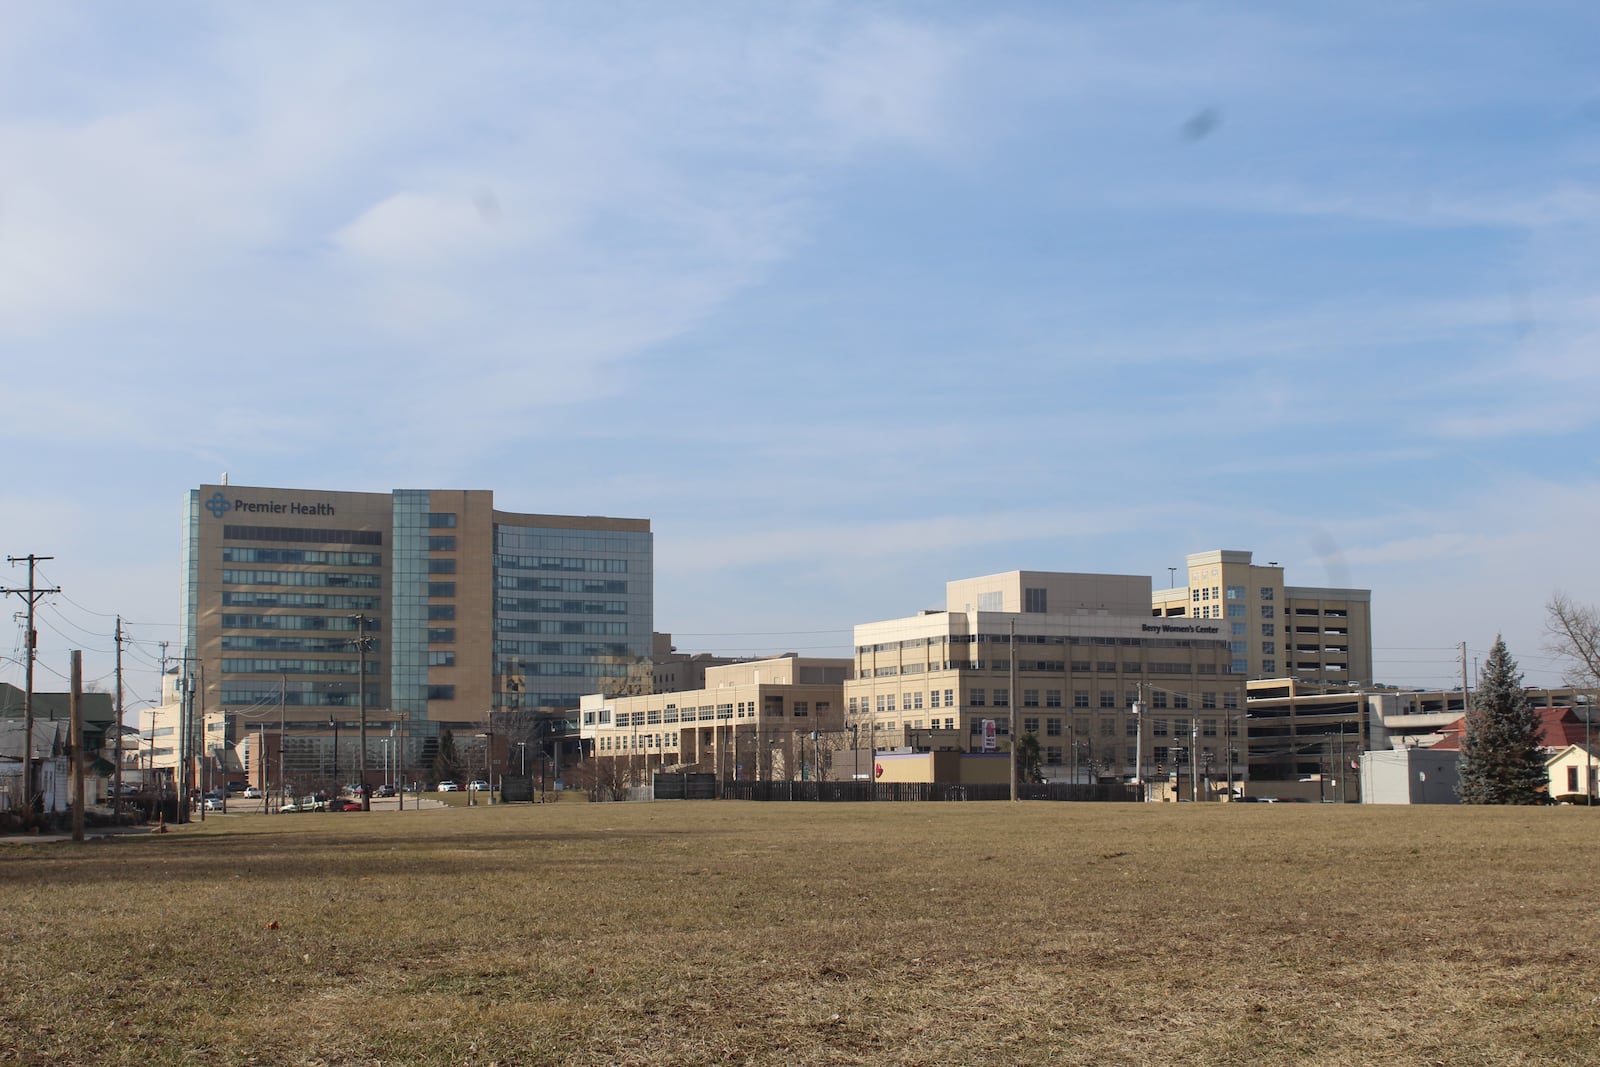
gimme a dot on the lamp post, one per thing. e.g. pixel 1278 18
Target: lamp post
pixel 363 645
pixel 333 724
pixel 522 753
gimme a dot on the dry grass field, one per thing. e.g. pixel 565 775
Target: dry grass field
pixel 701 932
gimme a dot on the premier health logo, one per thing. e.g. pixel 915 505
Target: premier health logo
pixel 218 505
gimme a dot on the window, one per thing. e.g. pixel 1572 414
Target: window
pixel 880 702
pixel 1572 779
pixel 1235 592
pixel 1180 700
pixel 1269 629
pixel 441 692
pixel 1158 727
pixel 949 698
pixel 1208 727
pixel 1230 700
pixel 803 707
pixel 890 704
pixel 1158 699
pixel 1052 698
pixel 441 659
pixel 1030 726
pixel 441 566
pixel 1268 611
pixel 1108 728
pixel 1033 601
pixel 1080 698
pixel 441 635
pixel 1052 727
pixel 1208 700
pixel 441 589
pixel 1237 611
pixel 1053 755
pixel 445 543
pixel 1266 592
pixel 933 698
pixel 1269 648
pixel 1002 698
pixel 1030 698
pixel 1108 699
pixel 441 612
pixel 441 520
pixel 1269 666
pixel 976 697
pixel 916 700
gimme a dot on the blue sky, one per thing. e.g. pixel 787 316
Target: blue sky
pixel 847 299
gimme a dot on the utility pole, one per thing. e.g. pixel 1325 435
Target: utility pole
pixel 75 721
pixel 1138 741
pixel 116 804
pixel 31 640
pixel 1465 703
pixel 363 644
pixel 283 700
pixel 1016 736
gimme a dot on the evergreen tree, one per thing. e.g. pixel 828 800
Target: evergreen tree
pixel 446 764
pixel 1500 758
pixel 1029 767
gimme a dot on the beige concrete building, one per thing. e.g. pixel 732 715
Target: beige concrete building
pixel 1086 648
pixel 761 720
pixel 1276 630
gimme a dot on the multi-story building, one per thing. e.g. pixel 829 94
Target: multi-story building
pixel 1086 650
pixel 1276 630
pixel 755 720
pixel 672 671
pixel 428 609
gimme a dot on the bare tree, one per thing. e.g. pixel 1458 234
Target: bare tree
pixel 1573 632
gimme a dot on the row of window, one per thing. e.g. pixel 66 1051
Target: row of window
pixel 301 534
pixel 562 607
pixel 310 578
pixel 503 647
pixel 772 707
pixel 330 601
pixel 306 556
pixel 1035 639
pixel 296 622
pixel 560 585
pixel 587 628
pixel 978 698
pixel 232 643
pixel 506 562
pixel 1077 666
pixel 297 666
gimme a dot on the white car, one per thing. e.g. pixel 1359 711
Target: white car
pixel 444 787
pixel 479 786
pixel 252 793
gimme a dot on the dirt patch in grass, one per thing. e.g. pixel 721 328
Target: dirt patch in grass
pixel 701 932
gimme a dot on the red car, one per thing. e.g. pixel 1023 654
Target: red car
pixel 344 805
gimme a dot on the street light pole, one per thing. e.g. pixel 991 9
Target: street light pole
pixel 334 725
pixel 363 643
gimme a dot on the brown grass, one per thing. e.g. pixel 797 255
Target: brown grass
pixel 796 933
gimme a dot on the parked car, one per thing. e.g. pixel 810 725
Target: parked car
pixel 252 793
pixel 214 804
pixel 288 806
pixel 448 787
pixel 338 804
pixel 383 791
pixel 478 786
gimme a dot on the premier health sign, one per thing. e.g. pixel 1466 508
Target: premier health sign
pixel 219 504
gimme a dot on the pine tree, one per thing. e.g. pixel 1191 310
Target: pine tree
pixel 446 764
pixel 1500 758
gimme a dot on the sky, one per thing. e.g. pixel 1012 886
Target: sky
pixel 848 299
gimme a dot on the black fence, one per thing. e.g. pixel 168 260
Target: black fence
pixel 864 791
pixel 685 786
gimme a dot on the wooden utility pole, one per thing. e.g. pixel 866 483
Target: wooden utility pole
pixel 76 726
pixel 31 639
pixel 116 780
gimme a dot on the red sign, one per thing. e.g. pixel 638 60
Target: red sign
pixel 877 770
